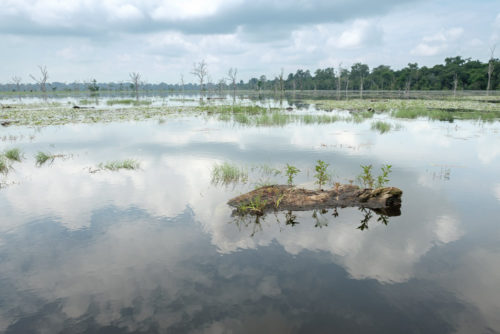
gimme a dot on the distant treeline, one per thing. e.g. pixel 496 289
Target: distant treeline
pixel 456 73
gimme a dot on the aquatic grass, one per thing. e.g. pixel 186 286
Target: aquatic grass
pixel 266 170
pixel 4 165
pixel 381 126
pixel 242 119
pixel 442 110
pixel 42 157
pixel 227 173
pixel 13 154
pixel 116 165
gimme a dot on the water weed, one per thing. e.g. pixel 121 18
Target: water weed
pixel 4 165
pixel 227 173
pixel 42 157
pixel 130 164
pixel 381 127
pixel 13 154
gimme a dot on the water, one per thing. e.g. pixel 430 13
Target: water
pixel 157 249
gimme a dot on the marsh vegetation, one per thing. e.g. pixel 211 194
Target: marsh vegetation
pixel 116 165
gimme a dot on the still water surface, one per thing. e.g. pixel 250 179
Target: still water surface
pixel 157 249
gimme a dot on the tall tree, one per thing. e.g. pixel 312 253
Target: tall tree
pixel 232 77
pixel 491 66
pixel 200 70
pixel 135 77
pixel 44 76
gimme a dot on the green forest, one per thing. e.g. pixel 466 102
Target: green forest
pixel 456 73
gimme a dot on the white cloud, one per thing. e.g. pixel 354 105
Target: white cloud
pixel 496 191
pixel 361 33
pixel 438 43
pixel 424 49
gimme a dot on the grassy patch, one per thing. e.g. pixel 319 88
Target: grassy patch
pixel 381 126
pixel 42 157
pixel 442 110
pixel 227 173
pixel 13 154
pixel 130 164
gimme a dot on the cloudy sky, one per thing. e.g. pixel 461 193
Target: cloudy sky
pixel 107 39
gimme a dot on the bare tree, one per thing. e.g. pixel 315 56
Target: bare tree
pixel 221 84
pixel 182 85
pixel 282 85
pixel 346 86
pixel 361 82
pixel 491 66
pixel 455 84
pixel 232 76
pixel 135 77
pixel 42 81
pixel 17 81
pixel 339 81
pixel 200 71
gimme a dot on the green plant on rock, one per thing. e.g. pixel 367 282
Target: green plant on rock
pixel 321 173
pixel 291 171
pixel 366 177
pixel 255 206
pixel 383 179
pixel 368 181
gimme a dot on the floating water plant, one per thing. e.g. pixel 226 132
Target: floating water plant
pixel 227 173
pixel 130 164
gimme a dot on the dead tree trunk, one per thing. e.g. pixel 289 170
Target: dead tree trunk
pixel 490 69
pixel 286 198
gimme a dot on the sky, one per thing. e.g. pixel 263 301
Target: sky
pixel 79 40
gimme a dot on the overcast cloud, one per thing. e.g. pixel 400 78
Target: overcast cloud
pixel 82 39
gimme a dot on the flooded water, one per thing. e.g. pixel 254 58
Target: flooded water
pixel 158 249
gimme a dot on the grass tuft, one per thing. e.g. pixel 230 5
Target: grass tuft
pixel 4 165
pixel 130 164
pixel 42 157
pixel 381 127
pixel 13 154
pixel 228 173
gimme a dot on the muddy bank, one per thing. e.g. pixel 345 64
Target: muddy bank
pixel 386 201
